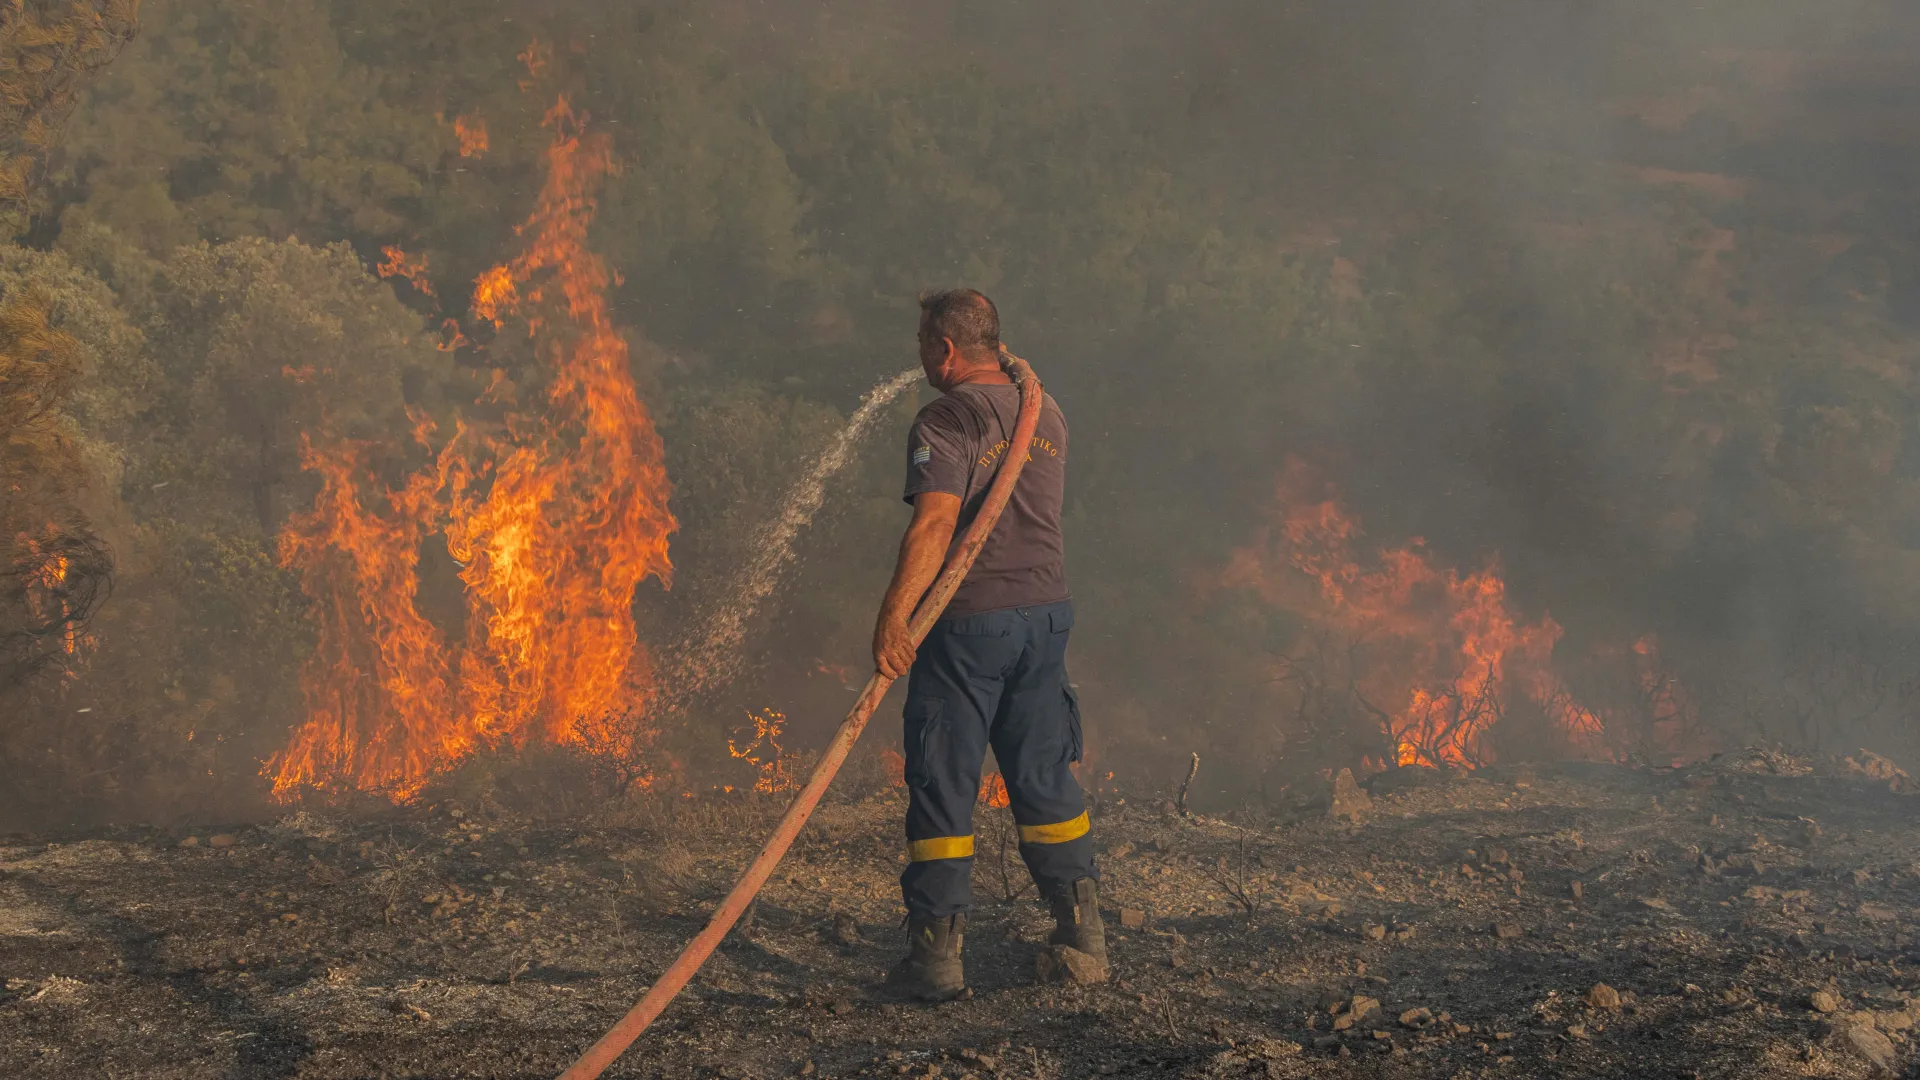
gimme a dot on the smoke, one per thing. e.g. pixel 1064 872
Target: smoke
pixel 1620 293
pixel 1617 299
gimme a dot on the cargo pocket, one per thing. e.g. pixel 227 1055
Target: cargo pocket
pixel 1074 740
pixel 926 738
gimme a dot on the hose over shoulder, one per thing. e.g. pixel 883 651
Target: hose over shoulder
pixel 675 978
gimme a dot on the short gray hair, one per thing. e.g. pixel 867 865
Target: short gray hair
pixel 964 316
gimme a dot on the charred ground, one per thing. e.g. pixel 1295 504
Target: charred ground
pixel 1750 913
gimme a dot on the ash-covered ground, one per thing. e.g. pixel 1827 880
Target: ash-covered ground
pixel 1743 918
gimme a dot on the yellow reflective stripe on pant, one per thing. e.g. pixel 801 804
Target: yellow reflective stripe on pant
pixel 992 681
pixel 942 847
pixel 1057 833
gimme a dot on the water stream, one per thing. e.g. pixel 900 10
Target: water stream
pixel 711 655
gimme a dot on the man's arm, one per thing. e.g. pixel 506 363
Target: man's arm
pixel 922 551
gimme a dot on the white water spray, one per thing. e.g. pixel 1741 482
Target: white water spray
pixel 713 657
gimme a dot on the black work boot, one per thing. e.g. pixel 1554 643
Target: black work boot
pixel 1076 919
pixel 932 970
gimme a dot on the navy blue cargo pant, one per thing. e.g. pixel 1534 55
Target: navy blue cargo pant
pixel 998 678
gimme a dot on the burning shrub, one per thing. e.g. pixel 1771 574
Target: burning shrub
pixel 1397 661
pixel 761 749
pixel 555 518
pixel 1427 659
pixel 53 570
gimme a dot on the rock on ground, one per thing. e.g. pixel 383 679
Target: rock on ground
pixel 1865 1041
pixel 1349 800
pixel 1060 963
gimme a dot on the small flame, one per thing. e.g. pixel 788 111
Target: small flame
pixel 472 133
pixel 1667 714
pixel 400 264
pixel 764 752
pixel 46 591
pixel 496 296
pixel 452 338
pixel 51 584
pixel 536 57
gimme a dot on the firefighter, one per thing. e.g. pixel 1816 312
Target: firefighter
pixel 992 671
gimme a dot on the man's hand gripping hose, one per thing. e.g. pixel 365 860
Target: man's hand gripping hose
pixel 671 981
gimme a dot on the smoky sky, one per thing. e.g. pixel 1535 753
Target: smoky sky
pixel 1617 297
pixel 1529 141
pixel 1412 95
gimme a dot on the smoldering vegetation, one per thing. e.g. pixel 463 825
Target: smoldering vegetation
pixel 1450 384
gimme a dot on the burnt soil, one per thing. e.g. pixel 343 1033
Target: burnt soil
pixel 1754 924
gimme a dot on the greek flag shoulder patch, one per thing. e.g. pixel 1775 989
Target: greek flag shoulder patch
pixel 922 455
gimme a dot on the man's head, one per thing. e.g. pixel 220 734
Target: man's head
pixel 959 336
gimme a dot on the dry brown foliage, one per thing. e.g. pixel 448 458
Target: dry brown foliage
pixel 54 571
pixel 48 49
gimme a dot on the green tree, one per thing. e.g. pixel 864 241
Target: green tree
pixel 53 569
pixel 56 571
pixel 49 49
pixel 197 400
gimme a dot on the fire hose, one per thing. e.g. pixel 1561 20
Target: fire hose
pixel 675 978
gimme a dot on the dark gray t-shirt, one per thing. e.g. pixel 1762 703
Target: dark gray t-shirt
pixel 955 446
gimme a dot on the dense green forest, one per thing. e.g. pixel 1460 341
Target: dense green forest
pixel 1618 307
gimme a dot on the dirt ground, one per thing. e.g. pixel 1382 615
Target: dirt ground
pixel 1748 921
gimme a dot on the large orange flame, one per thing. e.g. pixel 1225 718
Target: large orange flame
pixel 577 518
pixel 378 687
pixel 556 521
